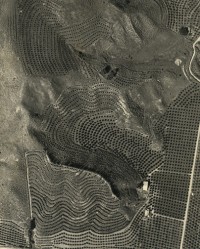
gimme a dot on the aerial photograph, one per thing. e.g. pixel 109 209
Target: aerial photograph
pixel 100 124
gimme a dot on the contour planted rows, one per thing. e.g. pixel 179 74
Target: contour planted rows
pixel 75 206
pixel 43 30
pixel 90 127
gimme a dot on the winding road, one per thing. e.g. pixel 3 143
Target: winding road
pixel 193 56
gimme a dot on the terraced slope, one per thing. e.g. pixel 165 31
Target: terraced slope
pixel 90 127
pixel 12 235
pixel 76 208
pixel 41 49
pixel 108 94
pixel 184 14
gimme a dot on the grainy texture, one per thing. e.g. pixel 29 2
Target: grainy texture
pixel 99 136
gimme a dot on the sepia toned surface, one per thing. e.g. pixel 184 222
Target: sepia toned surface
pixel 99 137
